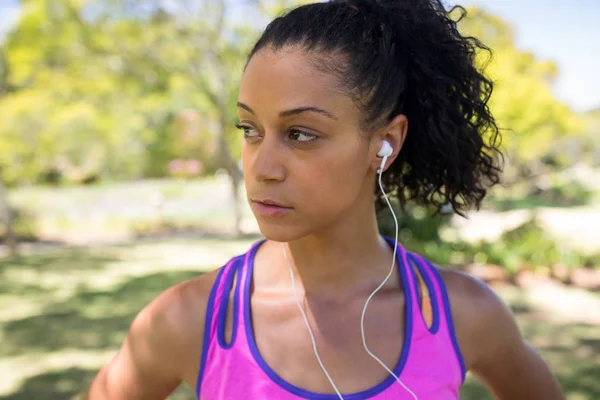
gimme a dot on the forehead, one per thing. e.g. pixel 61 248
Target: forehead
pixel 289 78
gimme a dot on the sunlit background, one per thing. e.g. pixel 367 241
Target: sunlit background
pixel 119 176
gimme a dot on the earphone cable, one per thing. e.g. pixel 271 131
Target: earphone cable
pixel 362 319
pixel 312 336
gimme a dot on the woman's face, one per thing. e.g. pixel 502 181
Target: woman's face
pixel 303 149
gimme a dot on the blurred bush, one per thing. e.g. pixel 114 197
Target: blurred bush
pixel 527 247
pixel 419 231
pixel 548 191
pixel 24 226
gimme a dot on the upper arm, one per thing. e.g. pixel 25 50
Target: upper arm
pixel 136 372
pixel 492 344
pixel 161 348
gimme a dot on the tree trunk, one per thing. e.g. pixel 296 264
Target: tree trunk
pixel 7 220
pixel 226 161
pixel 235 190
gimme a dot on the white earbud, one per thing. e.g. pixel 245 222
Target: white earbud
pixel 385 151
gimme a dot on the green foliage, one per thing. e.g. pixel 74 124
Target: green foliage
pixel 24 226
pixel 100 97
pixel 523 103
pixel 527 247
pixel 418 231
pixel 527 195
pixel 98 89
pixel 590 144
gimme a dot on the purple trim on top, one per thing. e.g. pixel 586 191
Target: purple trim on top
pixel 322 396
pixel 222 316
pixel 449 321
pixel 435 324
pixel 208 329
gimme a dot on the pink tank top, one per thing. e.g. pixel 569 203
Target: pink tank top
pixel 430 364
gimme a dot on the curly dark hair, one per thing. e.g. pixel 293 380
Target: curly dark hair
pixel 407 57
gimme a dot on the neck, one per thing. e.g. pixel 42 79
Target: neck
pixel 348 257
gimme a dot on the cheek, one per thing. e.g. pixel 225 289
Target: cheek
pixel 245 162
pixel 331 184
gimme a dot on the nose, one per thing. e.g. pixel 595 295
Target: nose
pixel 267 160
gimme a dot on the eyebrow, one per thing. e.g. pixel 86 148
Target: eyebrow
pixel 294 111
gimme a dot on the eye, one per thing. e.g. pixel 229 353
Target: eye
pixel 302 137
pixel 249 132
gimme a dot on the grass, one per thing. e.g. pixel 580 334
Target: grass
pixel 64 312
pixel 566 337
pixel 121 211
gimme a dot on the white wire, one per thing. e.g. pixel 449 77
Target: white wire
pixel 312 336
pixel 362 319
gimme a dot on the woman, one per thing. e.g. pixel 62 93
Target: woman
pixel 325 88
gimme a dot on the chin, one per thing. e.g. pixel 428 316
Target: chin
pixel 281 232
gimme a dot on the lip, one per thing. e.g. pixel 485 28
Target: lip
pixel 270 208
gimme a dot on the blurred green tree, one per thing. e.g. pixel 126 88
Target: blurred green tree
pixel 590 145
pixel 530 116
pixel 105 89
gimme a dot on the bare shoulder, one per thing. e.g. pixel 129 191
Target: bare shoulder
pixel 479 314
pixel 182 303
pixel 468 291
pixel 176 317
pixel 163 346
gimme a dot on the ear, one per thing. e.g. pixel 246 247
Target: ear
pixel 395 134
